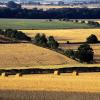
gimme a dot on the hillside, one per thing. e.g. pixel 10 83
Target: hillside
pixel 18 55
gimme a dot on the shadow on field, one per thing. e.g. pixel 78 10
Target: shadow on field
pixel 44 95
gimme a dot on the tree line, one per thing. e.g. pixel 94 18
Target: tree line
pixel 47 42
pixel 53 13
pixel 14 35
pixel 89 22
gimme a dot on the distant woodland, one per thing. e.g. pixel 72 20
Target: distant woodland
pixel 68 13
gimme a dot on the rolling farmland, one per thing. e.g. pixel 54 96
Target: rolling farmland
pixel 36 68
pixel 71 35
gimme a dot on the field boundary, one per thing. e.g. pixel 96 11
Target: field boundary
pixel 49 71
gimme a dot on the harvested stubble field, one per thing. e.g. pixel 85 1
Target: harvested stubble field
pixel 39 24
pixel 64 35
pixel 63 87
pixel 26 55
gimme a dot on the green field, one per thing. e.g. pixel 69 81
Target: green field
pixel 39 24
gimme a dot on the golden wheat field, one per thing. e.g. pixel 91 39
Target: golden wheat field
pixel 85 82
pixel 64 35
pixel 24 55
pixel 51 87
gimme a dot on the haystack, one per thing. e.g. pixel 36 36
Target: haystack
pixel 75 73
pixel 4 74
pixel 56 72
pixel 18 75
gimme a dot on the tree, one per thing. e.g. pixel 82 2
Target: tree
pixel 92 39
pixel 43 40
pixel 52 43
pixel 12 4
pixel 69 53
pixel 37 38
pixel 14 35
pixel 85 53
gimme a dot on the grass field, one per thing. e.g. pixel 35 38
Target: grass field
pixel 39 24
pixel 64 87
pixel 26 55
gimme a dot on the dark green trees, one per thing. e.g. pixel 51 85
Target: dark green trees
pixel 43 41
pixel 40 40
pixel 14 35
pixel 92 39
pixel 52 43
pixel 85 53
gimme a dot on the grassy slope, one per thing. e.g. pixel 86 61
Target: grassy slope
pixel 38 24
pixel 27 55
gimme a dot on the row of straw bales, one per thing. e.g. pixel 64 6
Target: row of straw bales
pixel 6 75
pixel 74 73
pixel 56 72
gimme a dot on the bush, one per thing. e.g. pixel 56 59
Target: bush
pixel 69 53
pixel 68 42
pixel 96 24
pixel 92 39
pixel 82 21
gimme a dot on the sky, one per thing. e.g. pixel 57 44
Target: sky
pixel 47 0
